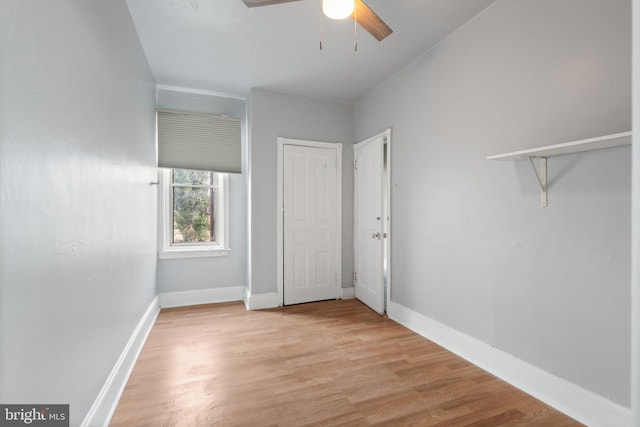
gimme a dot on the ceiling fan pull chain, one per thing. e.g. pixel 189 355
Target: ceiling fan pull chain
pixel 321 27
pixel 355 28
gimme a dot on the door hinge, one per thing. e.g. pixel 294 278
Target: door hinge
pixel 355 277
pixel 355 164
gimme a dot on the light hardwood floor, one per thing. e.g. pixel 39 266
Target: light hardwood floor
pixel 333 363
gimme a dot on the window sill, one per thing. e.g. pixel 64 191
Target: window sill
pixel 193 253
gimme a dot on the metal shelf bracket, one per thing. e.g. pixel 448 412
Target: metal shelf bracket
pixel 541 176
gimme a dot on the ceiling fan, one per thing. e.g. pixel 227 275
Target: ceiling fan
pixel 362 13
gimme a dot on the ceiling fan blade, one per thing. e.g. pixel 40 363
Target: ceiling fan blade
pixel 371 22
pixel 256 3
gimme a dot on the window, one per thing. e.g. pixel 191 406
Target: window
pixel 193 214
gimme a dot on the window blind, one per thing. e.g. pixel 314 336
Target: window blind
pixel 198 141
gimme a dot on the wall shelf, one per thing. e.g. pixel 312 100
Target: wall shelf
pixel 541 153
pixel 607 141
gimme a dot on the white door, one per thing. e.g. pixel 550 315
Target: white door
pixel 370 221
pixel 310 216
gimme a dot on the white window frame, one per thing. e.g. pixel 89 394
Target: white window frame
pixel 166 249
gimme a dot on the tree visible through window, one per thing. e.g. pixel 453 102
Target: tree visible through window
pixel 194 200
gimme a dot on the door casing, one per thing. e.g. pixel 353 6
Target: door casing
pixel 281 142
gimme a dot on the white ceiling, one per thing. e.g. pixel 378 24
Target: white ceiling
pixel 223 46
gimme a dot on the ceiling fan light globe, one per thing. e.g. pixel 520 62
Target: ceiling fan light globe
pixel 338 9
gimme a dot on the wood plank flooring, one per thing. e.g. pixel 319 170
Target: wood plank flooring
pixel 333 363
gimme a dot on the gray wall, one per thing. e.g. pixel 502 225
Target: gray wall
pixel 77 213
pixel 272 115
pixel 472 248
pixel 222 271
pixel 635 285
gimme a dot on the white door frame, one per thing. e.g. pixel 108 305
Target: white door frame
pixel 386 135
pixel 337 146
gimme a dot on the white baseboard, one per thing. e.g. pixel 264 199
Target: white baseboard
pixel 201 296
pixel 347 293
pixel 105 404
pixel 583 405
pixel 261 301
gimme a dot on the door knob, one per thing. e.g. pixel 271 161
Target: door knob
pixel 375 236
